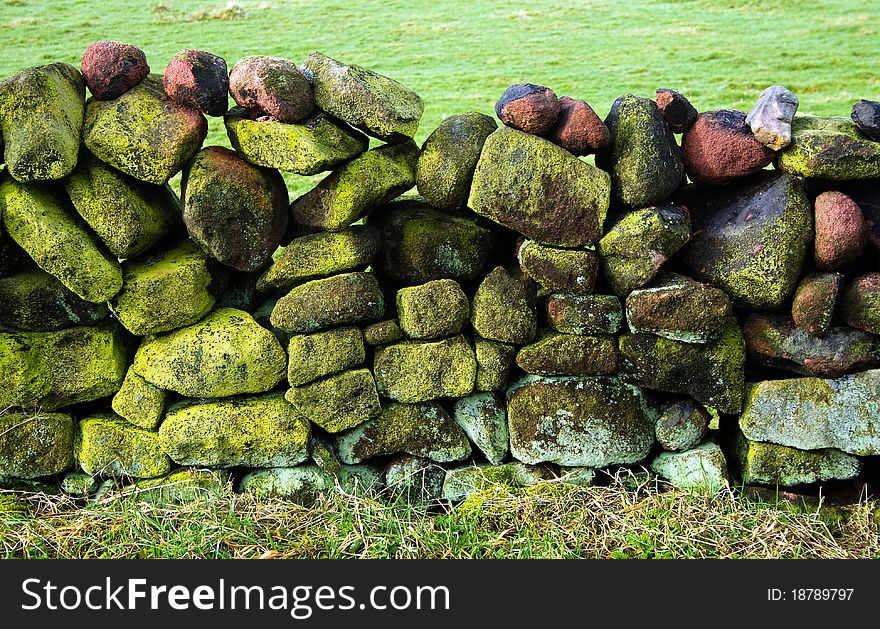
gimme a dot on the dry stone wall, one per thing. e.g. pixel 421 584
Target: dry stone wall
pixel 493 306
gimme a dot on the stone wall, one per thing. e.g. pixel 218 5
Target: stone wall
pixel 490 306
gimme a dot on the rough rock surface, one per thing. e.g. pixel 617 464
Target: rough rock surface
pixel 681 425
pixel 554 354
pixel 33 300
pixel 483 417
pixel 770 118
pixel 418 371
pixel 109 446
pixel 139 402
pixel 273 87
pixel 111 68
pixel 866 115
pixel 338 402
pixel 314 356
pixel 578 129
pixel 841 232
pixel 860 303
pixel 432 310
pixel 35 445
pixel 462 482
pixel 559 270
pixel 703 467
pixel 529 108
pixel 829 148
pixel 772 464
pixel 199 80
pixel 720 148
pixel 584 314
pixel 494 360
pixel 815 301
pixel 504 308
pixel 675 109
pixel 338 300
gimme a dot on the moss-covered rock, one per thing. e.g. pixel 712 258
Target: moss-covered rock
pixel 305 483
pixel 181 486
pixel 312 146
pixel 383 332
pixel 376 104
pixel 584 314
pixel 414 480
pixel 128 215
pixel 139 402
pixel 681 425
pixel 504 308
pixel 494 361
pixel 829 148
pixel 417 371
pixel 424 430
pixel 255 431
pixel 36 301
pixel 79 484
pixel 109 446
pixel 461 482
pixel 313 356
pixel 449 158
pixel 710 373
pixel 860 303
pixel 226 353
pixel 323 454
pixel 815 301
pixel 356 187
pixel 578 475
pixel 772 464
pixel 532 186
pixel 41 116
pixel 55 369
pixel 39 218
pixel 338 402
pixel 144 133
pixel 431 310
pixel 554 353
pixel 701 468
pixel 338 300
pixel 35 444
pixel 483 417
pixel 559 270
pixel 167 290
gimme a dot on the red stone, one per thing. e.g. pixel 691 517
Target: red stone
pixel 198 80
pixel 578 129
pixel 720 148
pixel 111 68
pixel 841 231
pixel 271 86
pixel 529 108
pixel 814 302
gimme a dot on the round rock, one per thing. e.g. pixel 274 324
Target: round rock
pixel 578 129
pixel 720 148
pixel 271 86
pixel 530 108
pixel 841 232
pixel 111 68
pixel 198 79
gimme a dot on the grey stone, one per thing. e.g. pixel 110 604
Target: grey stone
pixel 770 118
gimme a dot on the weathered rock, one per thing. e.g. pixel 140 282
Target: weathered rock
pixel 710 373
pixel 36 301
pixel 129 216
pixel 770 118
pixel 414 479
pixel 555 354
pixel 338 402
pixel 494 361
pixel 258 431
pixel 644 160
pixel 139 402
pixel 577 475
pixel 815 301
pixel 305 483
pixel 323 454
pixel 584 314
pixel 860 303
pixel 79 484
pixel 578 129
pixel 676 110
pixel 314 356
pixel 418 371
pixel 111 68
pixel 424 430
pixel 41 116
pixel 560 270
pixel 829 148
pixel 314 145
pixel 182 486
pixel 226 353
pixel 633 250
pixel 271 86
pixel 531 185
pixel 529 108
pixel 750 239
pixel 144 133
pixel 866 115
pixel 678 308
pixel 703 467
pixel 169 289
pixel 56 369
pixel 812 414
pixel 841 232
pixel 110 446
pixel 357 187
pixel 772 464
pixel 338 300
pixel 581 421
pixel 483 417
pixel 681 425
pixel 383 332
pixel 198 79
pixel 462 482
pixel 380 106
pixel 719 148
pixel 35 444
pixel 431 310
pixel 449 157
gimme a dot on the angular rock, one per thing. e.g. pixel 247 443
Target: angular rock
pixel 720 148
pixel 41 117
pixel 772 464
pixel 109 446
pixel 633 250
pixel 578 129
pixel 432 310
pixel 36 301
pixel 569 354
pixel 812 414
pixel 357 187
pixel 144 133
pixel 414 479
pixel 449 157
pixel 860 303
pixel 462 482
pixel 841 232
pixel 703 467
pixel 750 239
pixel 866 115
pixel 376 104
pixel 580 421
pixel 79 484
pixel 681 425
pixel 226 353
pixel 314 356
pixel 424 430
pixel 643 158
pixel 338 402
pixel 305 483
pixel 532 186
pixel 770 118
pixel 711 374
pixel 676 110
pixel 314 145
pixel 199 80
pixel 258 431
pixel 111 68
pixel 504 308
pixel 529 108
pixel 139 402
pixel 815 301
pixel 829 148
pixel 584 314
pixel 559 270
pixel 35 444
pixel 494 361
pixel 273 87
pixel 338 300
pixel 383 332
pixel 418 371
pixel 322 452
pixel 483 417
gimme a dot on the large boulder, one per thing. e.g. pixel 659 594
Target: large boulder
pixel 720 148
pixel 338 402
pixel 418 371
pixel 109 446
pixel 33 300
pixel 829 148
pixel 35 444
pixel 338 300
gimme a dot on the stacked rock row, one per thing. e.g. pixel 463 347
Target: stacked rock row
pixel 526 312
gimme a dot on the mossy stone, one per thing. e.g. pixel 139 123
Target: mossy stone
pixel 860 303
pixel 424 430
pixel 504 308
pixel 167 290
pixel 578 476
pixel 584 314
pixel 39 218
pixel 483 417
pixel 41 118
pixel 338 402
pixel 418 371
pixel 703 468
pixel 307 148
pixel 815 301
pixel 313 356
pixel 254 431
pixel 829 148
pixel 323 454
pixel 383 332
pixel 35 444
pixel 559 270
pixel 110 446
pixel 226 353
pixel 681 425
pixel 35 301
pixel 181 487
pixel 431 310
pixel 449 157
pixel 144 133
pixel 554 353
pixel 304 484
pixel 139 402
pixel 534 187
pixel 494 361
pixel 414 480
pixel 79 484
pixel 462 482
pixel 772 464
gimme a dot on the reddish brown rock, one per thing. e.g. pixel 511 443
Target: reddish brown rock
pixel 814 302
pixel 675 109
pixel 112 68
pixel 271 86
pixel 860 303
pixel 530 108
pixel 720 148
pixel 198 79
pixel 841 232
pixel 578 129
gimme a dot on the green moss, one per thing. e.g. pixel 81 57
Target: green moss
pixel 139 402
pixel 383 332
pixel 79 484
pixel 494 361
pixel 860 303
pixel 313 356
pixel 563 270
pixel 35 444
pixel 437 308
pixel 181 487
pixel 504 308
pixel 417 371
pixel 584 314
pixel 36 301
pixel 569 354
pixel 772 464
pixel 338 402
pixel 110 446
pixel 829 148
pixel 323 454
pixel 465 481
